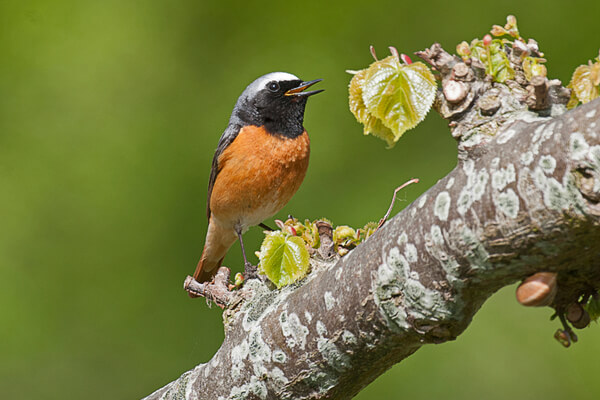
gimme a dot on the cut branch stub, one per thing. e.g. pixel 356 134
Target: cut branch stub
pixel 326 248
pixel 538 290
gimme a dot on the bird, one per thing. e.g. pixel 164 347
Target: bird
pixel 260 161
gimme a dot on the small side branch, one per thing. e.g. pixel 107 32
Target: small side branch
pixel 218 291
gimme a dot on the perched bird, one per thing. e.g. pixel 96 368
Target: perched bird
pixel 259 164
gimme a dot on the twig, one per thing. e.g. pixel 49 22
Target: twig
pixel 216 291
pixel 387 214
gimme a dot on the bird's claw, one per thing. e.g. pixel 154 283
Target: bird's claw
pixel 251 272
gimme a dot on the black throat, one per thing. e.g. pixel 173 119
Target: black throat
pixel 289 123
pixel 279 118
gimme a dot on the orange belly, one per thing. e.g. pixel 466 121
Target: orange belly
pixel 258 174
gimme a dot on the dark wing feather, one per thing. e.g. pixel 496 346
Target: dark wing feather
pixel 226 139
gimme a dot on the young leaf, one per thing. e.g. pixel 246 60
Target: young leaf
pixel 283 258
pixel 585 83
pixel 532 66
pixel 389 97
pixel 372 125
pixel 343 232
pixel 494 58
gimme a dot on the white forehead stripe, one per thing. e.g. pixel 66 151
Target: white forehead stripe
pixel 260 83
pixel 279 76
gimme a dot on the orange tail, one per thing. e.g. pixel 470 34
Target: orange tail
pixel 218 241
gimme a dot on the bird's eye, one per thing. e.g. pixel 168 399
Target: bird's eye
pixel 273 86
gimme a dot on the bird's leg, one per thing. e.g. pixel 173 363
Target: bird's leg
pixel 250 271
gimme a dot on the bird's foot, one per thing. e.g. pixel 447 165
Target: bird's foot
pixel 250 271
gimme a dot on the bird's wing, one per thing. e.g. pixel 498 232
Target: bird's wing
pixel 226 139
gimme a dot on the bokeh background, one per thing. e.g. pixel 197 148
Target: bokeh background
pixel 109 115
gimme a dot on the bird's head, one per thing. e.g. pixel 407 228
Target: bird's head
pixel 275 101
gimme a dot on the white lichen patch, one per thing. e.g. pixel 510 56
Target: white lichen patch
pixel 495 163
pixel 527 158
pixel 442 205
pixel 508 203
pixel 255 389
pixel 475 253
pixel 238 354
pixel 308 315
pixel 436 235
pixel 452 269
pixel 321 328
pixel 279 356
pixel 450 183
pixel 468 167
pixel 503 176
pixel 263 302
pixel 320 380
pixel 549 131
pixel 594 158
pixel 338 274
pixel 402 238
pixel 473 190
pixel 590 114
pixel 399 295
pixel 506 135
pixel 410 252
pixel 329 301
pixel 294 332
pixel 537 134
pixel 277 379
pixel 337 359
pixel 578 146
pixel 558 196
pixel 422 201
pixel 258 351
pixel 349 338
pixel 548 164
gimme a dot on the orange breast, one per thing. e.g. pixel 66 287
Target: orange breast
pixel 258 175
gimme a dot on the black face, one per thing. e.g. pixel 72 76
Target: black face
pixel 278 106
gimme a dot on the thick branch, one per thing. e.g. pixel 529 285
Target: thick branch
pixel 526 202
pixel 524 198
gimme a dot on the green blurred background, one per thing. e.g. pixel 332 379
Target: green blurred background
pixel 109 115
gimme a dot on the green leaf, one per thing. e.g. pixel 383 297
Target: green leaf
pixel 372 125
pixel 494 58
pixel 342 232
pixel 283 258
pixel 532 66
pixel 463 50
pixel 368 230
pixel 509 29
pixel 585 82
pixel 389 97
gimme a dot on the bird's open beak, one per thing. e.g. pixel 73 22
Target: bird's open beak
pixel 298 91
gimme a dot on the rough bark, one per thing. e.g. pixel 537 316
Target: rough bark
pixel 523 198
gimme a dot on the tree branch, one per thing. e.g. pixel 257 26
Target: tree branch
pixel 524 198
